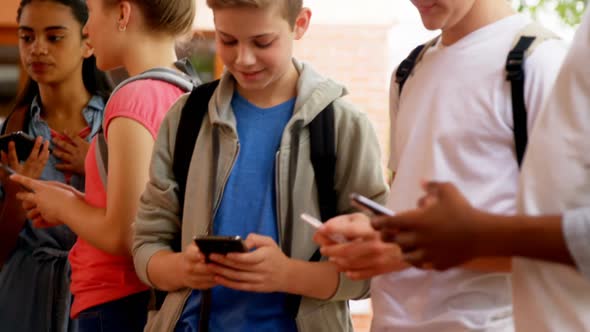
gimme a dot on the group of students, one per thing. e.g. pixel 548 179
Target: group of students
pixel 251 174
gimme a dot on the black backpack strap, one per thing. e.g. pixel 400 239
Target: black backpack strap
pixel 515 74
pixel 191 117
pixel 323 159
pixel 17 120
pixel 405 68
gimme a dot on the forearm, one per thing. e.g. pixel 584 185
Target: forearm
pixel 162 271
pixel 526 236
pixel 490 264
pixel 317 280
pixel 95 226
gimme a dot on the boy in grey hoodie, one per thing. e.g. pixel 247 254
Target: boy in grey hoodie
pixel 251 176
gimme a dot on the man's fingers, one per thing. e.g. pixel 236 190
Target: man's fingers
pixel 401 221
pixel 416 258
pixel 406 240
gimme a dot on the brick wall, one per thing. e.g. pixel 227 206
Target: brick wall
pixel 357 56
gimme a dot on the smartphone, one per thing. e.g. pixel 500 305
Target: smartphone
pixel 24 143
pixel 210 244
pixel 365 204
pixel 315 223
pixel 10 171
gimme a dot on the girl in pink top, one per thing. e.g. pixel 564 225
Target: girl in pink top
pixel 137 35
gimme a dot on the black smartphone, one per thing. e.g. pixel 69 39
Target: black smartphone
pixel 220 244
pixel 24 143
pixel 365 204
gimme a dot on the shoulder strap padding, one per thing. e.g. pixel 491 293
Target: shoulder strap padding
pixel 524 44
pixel 323 160
pixel 17 120
pixel 189 126
pixel 406 67
pixel 185 80
pixel 536 30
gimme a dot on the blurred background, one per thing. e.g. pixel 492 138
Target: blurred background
pixel 358 43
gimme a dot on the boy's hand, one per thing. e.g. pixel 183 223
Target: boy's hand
pixel 72 152
pixel 264 270
pixel 364 255
pixel 195 273
pixel 443 232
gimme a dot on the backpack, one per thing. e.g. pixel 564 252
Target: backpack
pixel 17 120
pixel 185 80
pixel 323 159
pixel 524 44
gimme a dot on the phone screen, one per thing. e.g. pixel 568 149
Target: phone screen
pixel 365 204
pixel 24 144
pixel 220 244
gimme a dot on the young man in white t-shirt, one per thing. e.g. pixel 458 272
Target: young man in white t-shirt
pixel 453 122
pixel 555 202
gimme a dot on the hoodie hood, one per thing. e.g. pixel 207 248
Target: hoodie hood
pixel 314 93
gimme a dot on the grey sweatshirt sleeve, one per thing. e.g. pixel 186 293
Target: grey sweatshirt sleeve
pixel 576 229
pixel 358 169
pixel 157 222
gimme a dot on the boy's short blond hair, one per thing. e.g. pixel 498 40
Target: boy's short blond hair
pixel 289 8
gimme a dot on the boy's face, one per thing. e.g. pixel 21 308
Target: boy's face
pixel 255 45
pixel 442 14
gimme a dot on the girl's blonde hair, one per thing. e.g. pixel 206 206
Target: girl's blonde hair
pixel 173 17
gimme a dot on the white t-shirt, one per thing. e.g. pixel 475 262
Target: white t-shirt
pixel 454 123
pixel 556 178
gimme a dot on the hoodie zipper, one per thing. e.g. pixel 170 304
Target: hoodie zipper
pixel 225 179
pixel 278 197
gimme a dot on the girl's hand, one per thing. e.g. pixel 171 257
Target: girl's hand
pixel 44 201
pixel 265 270
pixel 72 152
pixel 35 163
pixel 195 272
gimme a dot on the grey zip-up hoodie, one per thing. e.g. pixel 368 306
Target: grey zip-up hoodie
pixel 358 169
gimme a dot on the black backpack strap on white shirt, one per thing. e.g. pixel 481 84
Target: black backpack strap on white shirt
pixel 525 43
pixel 515 74
pixel 406 67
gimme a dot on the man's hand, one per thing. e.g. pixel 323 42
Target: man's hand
pixel 443 232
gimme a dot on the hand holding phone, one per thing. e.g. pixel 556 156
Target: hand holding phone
pixel 214 244
pixel 315 223
pixel 23 142
pixel 367 205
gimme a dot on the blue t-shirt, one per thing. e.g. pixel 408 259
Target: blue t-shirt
pixel 248 206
